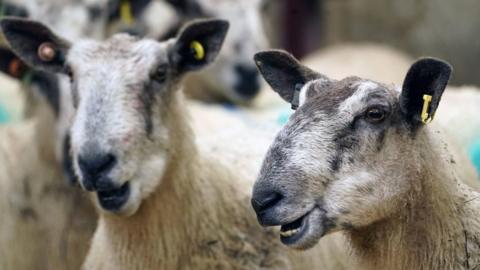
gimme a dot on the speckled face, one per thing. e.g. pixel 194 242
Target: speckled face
pixel 339 163
pixel 124 93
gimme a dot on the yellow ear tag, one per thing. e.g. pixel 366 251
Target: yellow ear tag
pixel 126 12
pixel 198 50
pixel 426 102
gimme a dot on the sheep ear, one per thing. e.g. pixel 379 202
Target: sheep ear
pixel 198 44
pixel 11 65
pixel 284 73
pixel 422 89
pixel 35 44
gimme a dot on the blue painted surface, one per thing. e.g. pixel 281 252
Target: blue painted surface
pixel 4 116
pixel 284 116
pixel 475 154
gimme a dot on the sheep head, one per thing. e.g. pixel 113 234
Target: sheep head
pixel 124 91
pixel 348 154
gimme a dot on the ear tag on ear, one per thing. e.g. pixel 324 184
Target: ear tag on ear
pixel 197 50
pixel 46 51
pixel 426 102
pixel 296 96
pixel 16 68
pixel 126 12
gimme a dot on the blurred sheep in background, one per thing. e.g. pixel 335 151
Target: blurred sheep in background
pixel 233 77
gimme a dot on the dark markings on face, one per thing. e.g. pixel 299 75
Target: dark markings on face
pixel 75 97
pixel 147 97
pixel 49 88
pixel 345 140
pixel 67 160
pixel 381 140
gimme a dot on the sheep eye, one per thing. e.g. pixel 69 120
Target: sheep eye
pixel 160 74
pixel 375 115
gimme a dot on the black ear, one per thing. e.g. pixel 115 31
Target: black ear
pixel 35 44
pixel 11 65
pixel 284 73
pixel 198 44
pixel 422 89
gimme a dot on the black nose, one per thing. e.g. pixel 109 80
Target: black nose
pixel 262 201
pixel 94 168
pixel 248 83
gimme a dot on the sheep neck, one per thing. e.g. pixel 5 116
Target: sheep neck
pixel 433 228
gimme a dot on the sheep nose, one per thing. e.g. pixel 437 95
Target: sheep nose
pixel 248 81
pixel 262 201
pixel 94 168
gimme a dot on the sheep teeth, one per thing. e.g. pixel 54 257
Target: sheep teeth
pixel 289 232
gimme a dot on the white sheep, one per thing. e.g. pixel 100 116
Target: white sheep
pixel 357 157
pixel 164 203
pixel 46 224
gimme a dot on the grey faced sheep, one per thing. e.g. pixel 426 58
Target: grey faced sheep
pixel 164 205
pixel 357 157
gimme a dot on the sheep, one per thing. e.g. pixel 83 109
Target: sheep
pixel 372 169
pixel 163 204
pixel 46 224
pixel 233 77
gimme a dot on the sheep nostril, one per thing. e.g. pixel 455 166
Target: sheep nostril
pixel 265 201
pixel 96 165
pixel 248 82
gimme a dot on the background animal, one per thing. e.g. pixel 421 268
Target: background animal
pixel 233 77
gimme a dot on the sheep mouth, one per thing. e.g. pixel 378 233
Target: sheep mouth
pixel 114 199
pixel 304 232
